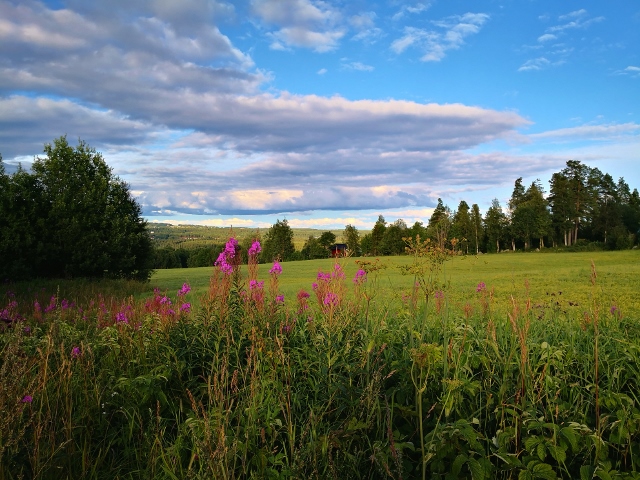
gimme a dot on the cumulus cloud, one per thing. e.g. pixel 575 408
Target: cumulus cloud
pixel 302 23
pixel 410 10
pixel 448 34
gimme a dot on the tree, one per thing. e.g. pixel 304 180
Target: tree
pixel 476 224
pixel 495 223
pixel 392 240
pixel 462 227
pixel 75 218
pixel 278 244
pixel 377 234
pixel 313 249
pixel 440 224
pixel 327 239
pixel 352 239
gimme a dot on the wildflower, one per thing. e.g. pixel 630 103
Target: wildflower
pixel 302 294
pixel 325 277
pixel 439 294
pixel 36 306
pixel 171 312
pixel 280 299
pixel 276 269
pixel 26 329
pixel 27 399
pixel 360 278
pixel 254 249
pixel 286 328
pixel 330 299
pixel 481 287
pixel 230 248
pixel 255 285
pixel 165 300
pixel 64 304
pixel 314 286
pixel 75 352
pixel 339 273
pixel 121 318
pixel 184 290
pixel 185 307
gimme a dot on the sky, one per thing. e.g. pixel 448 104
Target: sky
pixel 323 113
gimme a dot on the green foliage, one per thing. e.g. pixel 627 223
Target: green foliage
pixel 278 243
pixel 72 217
pixel 499 382
pixel 313 249
pixel 352 239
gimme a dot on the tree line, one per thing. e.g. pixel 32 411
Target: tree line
pixel 584 209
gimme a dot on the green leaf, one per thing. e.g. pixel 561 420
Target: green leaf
pixel 457 464
pixel 477 471
pixel 586 472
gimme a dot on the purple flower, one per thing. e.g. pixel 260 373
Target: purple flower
pixel 302 294
pixel 360 278
pixel 331 299
pixel 481 286
pixel 339 273
pixel 325 277
pixel 255 285
pixel 75 352
pixel 26 329
pixel 64 304
pixel 280 299
pixel 165 300
pixel 286 328
pixel 439 294
pixel 27 399
pixel 36 306
pixel 314 286
pixel 255 248
pixel 230 248
pixel 613 310
pixel 185 307
pixel 171 312
pixel 184 290
pixel 276 269
pixel 121 318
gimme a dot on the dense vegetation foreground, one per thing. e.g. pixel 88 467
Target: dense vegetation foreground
pixel 339 381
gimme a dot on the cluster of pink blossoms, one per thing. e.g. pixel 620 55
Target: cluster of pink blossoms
pixel 225 259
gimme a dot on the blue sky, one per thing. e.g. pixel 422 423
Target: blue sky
pixel 323 112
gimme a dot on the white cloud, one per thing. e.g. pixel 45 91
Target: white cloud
pixel 451 34
pixel 322 71
pixel 539 63
pixel 359 66
pixel 590 132
pixel 546 37
pixel 411 9
pixel 302 23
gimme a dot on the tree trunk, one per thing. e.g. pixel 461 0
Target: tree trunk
pixel 498 246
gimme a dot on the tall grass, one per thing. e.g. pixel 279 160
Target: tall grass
pixel 339 383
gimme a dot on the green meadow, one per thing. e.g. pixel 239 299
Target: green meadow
pixel 508 366
pixel 565 277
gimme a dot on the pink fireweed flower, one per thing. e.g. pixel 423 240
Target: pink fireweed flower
pixel 255 285
pixel 230 248
pixel 481 286
pixel 314 286
pixel 330 299
pixel 255 248
pixel 439 294
pixel 360 278
pixel 75 352
pixel 121 318
pixel 36 306
pixel 27 399
pixel 325 277
pixel 165 300
pixel 276 269
pixel 338 273
pixel 185 307
pixel 302 294
pixel 280 299
pixel 186 288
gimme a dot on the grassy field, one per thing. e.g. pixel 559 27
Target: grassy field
pixel 520 366
pixel 561 277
